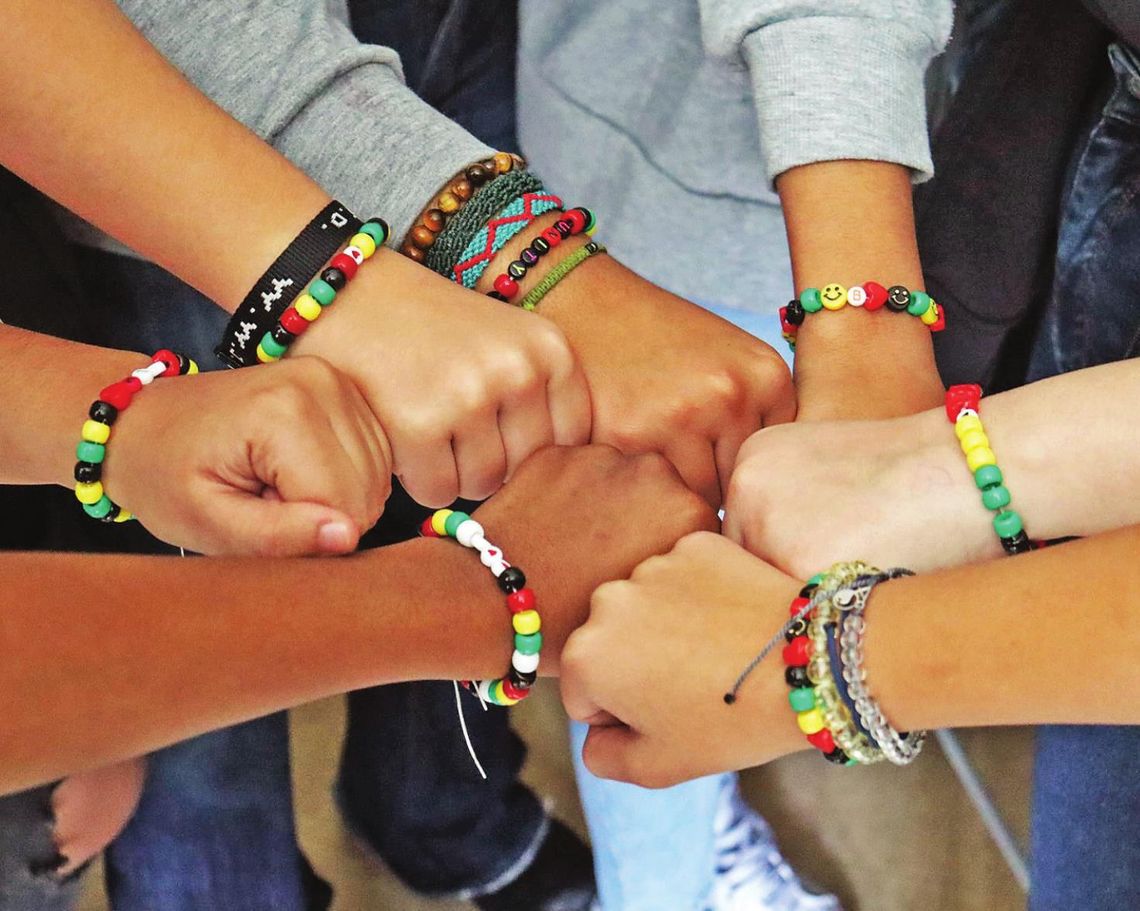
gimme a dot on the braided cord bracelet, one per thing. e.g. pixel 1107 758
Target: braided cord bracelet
pixel 559 272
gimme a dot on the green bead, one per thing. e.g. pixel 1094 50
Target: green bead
pixel 988 476
pixel 810 300
pixel 851 762
pixel 995 497
pixel 919 303
pixel 271 346
pixel 528 645
pixel 374 230
pixel 453 521
pixel 802 699
pixel 1007 524
pixel 90 452
pixel 99 508
pixel 322 292
pixel 816 579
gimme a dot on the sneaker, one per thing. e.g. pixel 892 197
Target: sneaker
pixel 560 878
pixel 751 873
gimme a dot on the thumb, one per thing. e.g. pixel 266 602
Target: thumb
pixel 609 752
pixel 271 527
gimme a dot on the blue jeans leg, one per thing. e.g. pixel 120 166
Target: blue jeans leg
pixel 1085 829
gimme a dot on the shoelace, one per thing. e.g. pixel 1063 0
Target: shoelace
pixel 745 848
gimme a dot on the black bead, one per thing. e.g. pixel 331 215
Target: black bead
pixel 807 591
pixel 112 515
pixel 564 227
pixel 794 313
pixel 88 472
pixel 529 257
pixel 592 248
pixel 837 756
pixel 103 413
pixel 183 364
pixel 796 677
pixel 540 245
pixel 335 277
pixel 797 628
pixel 521 680
pixel 516 270
pixel 282 336
pixel 512 579
pixel 495 295
pixel 729 699
pixel 898 298
pixel 1018 544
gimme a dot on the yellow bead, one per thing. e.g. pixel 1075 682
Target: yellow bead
pixel 448 202
pixel 89 493
pixel 125 515
pixel 439 520
pixel 526 622
pixel 364 243
pixel 501 696
pixel 983 455
pixel 975 439
pixel 966 424
pixel 193 371
pixel 811 721
pixel 307 306
pixel 264 356
pixel 930 317
pixel 833 297
pixel 94 432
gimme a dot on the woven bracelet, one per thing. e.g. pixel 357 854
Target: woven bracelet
pixel 559 272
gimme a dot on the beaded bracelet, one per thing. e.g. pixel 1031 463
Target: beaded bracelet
pixel 453 197
pixel 576 221
pixel 868 296
pixel 322 291
pixel 96 432
pixel 559 272
pixel 521 602
pixel 962 406
pixel 492 237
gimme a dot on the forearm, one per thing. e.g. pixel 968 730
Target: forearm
pixel 184 646
pixel 851 222
pixel 1011 641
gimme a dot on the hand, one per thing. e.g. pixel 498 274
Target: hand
pixel 667 376
pixel 893 493
pixel 650 668
pixel 465 387
pixel 575 518
pixel 286 460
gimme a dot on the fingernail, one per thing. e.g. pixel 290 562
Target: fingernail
pixel 334 536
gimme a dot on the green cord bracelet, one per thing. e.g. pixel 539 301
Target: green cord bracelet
pixel 559 272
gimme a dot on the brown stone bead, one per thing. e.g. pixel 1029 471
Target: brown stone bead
pixel 462 188
pixel 518 161
pixel 478 174
pixel 503 162
pixel 449 202
pixel 434 220
pixel 413 252
pixel 422 237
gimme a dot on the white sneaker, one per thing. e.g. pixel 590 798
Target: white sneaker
pixel 751 873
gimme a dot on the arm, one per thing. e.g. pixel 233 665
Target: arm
pixel 900 491
pixel 931 655
pixel 168 648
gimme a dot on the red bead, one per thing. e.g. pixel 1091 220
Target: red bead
pixel 789 329
pixel 939 324
pixel 345 263
pixel 822 740
pixel 169 358
pixel 797 652
pixel 521 600
pixel 506 286
pixel 797 605
pixel 513 692
pixel 577 221
pixel 552 236
pixel 876 295
pixel 966 395
pixel 118 394
pixel 133 383
pixel 426 530
pixel 292 321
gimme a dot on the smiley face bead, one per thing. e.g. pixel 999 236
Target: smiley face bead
pixel 833 297
pixel 898 298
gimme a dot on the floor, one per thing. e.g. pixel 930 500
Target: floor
pixel 888 840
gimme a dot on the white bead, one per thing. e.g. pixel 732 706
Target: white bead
pixel 354 253
pixel 479 543
pixel 466 532
pixel 524 664
pixel 856 296
pixel 498 566
pixel 490 555
pixel 143 376
pixel 483 688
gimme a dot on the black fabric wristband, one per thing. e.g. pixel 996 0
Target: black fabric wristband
pixel 283 282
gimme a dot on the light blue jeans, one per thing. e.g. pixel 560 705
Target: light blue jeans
pixel 655 850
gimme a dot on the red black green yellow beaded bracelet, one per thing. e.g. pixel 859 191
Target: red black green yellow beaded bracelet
pixel 521 602
pixel 579 220
pixel 963 403
pixel 867 296
pixel 322 291
pixel 96 432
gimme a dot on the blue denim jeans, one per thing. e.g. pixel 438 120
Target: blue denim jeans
pixel 1086 804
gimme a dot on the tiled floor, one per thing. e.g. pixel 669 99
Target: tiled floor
pixel 884 839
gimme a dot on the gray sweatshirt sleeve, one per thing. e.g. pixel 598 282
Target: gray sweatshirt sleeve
pixel 834 79
pixel 293 72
